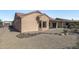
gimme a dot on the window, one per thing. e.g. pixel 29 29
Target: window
pixel 54 25
pixel 44 23
pixel 39 24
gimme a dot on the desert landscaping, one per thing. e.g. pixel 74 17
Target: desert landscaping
pixel 44 40
pixel 37 30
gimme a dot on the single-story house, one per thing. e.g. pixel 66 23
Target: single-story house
pixel 33 21
pixel 37 21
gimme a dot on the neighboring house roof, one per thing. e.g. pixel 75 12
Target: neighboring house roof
pixel 65 20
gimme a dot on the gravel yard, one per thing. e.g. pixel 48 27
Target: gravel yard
pixel 9 40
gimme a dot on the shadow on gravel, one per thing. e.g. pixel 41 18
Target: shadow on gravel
pixel 11 29
pixel 27 35
pixel 74 47
pixel 77 43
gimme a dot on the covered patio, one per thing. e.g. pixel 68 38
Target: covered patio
pixel 63 24
pixel 56 24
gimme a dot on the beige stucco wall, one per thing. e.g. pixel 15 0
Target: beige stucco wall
pixel 60 25
pixel 29 23
pixel 46 19
pixel 50 25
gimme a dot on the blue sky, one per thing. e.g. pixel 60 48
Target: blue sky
pixel 8 15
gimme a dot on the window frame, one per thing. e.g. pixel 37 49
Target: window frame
pixel 44 24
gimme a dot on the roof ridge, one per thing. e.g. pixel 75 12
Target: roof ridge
pixel 33 12
pixel 22 14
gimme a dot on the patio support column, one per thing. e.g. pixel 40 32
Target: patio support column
pixel 62 24
pixel 51 25
pixel 41 24
pixel 56 24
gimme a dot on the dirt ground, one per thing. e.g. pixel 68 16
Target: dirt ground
pixel 8 40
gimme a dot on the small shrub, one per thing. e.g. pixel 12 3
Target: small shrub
pixel 21 35
pixel 75 30
pixel 65 31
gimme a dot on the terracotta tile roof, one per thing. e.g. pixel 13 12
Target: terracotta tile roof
pixel 22 14
pixel 33 12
